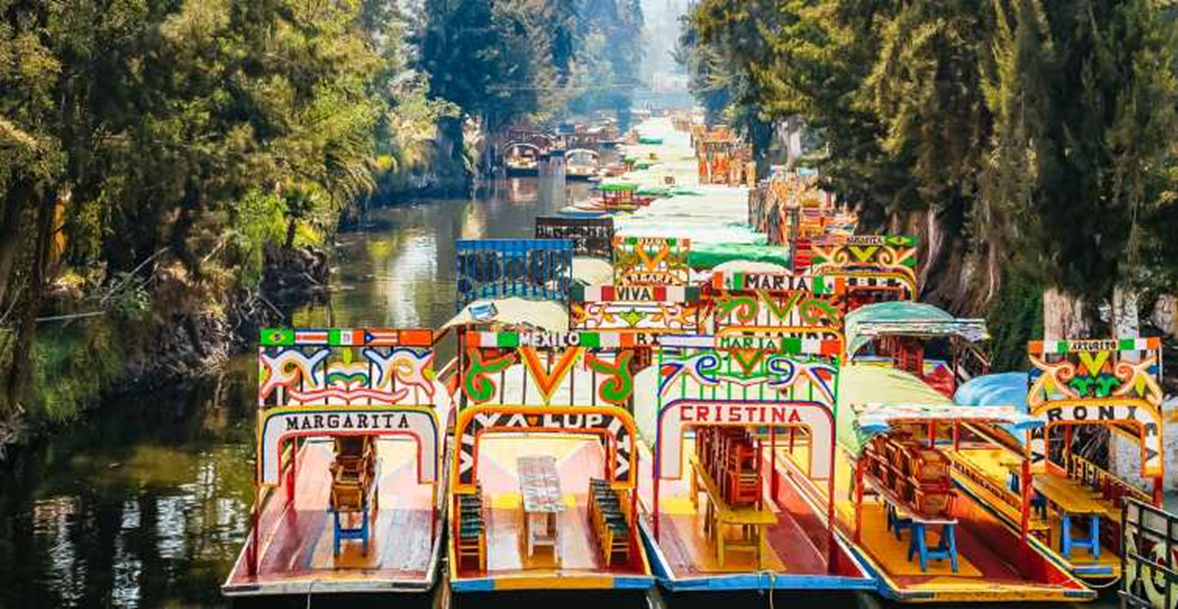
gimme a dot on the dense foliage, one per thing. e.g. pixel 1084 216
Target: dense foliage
pixel 1031 136
pixel 153 151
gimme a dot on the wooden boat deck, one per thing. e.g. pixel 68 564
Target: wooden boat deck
pixel 990 461
pixel 994 565
pixel 581 565
pixel 798 552
pixel 296 538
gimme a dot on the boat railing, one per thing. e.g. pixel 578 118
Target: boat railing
pixel 1149 537
pixel 1093 476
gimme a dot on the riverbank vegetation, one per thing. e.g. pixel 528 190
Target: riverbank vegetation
pixel 159 158
pixel 1029 142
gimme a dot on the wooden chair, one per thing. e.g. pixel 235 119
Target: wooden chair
pixel 470 530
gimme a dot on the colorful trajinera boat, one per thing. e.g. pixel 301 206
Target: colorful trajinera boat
pixel 1041 484
pixel 726 403
pixel 544 473
pixel 348 488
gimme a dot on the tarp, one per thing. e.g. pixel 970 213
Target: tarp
pixel 711 255
pixel 870 396
pixel 542 314
pixel 1009 388
pixel 592 271
pixel 866 384
pixel 904 318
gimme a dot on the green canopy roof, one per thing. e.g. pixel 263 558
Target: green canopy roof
pixel 905 318
pixel 618 186
pixel 869 396
pixel 710 255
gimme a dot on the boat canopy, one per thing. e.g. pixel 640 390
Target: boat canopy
pixel 545 315
pixel 906 318
pixel 1009 388
pixel 619 187
pixel 711 255
pixel 748 266
pixel 872 397
pixel 592 271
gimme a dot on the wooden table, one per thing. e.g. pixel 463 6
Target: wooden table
pixel 539 484
pixel 1073 499
pixel 718 514
pixel 900 515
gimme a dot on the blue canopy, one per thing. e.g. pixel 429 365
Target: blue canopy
pixel 1006 388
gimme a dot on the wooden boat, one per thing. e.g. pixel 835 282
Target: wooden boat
pixel 920 536
pixel 614 198
pixel 522 160
pixel 726 403
pixel 347 493
pixel 920 339
pixel 1060 501
pixel 544 474
pixel 581 163
pixel 544 477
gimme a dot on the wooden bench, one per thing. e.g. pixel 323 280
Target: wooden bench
pixel 719 514
pixel 1074 499
pixel 470 529
pixel 610 520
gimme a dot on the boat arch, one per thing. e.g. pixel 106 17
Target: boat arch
pixel 614 426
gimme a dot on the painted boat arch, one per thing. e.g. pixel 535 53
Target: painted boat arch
pixel 679 416
pixel 645 261
pixel 614 426
pixel 1113 383
pixel 876 268
pixel 282 424
pixel 776 304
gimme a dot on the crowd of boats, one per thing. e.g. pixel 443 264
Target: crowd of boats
pixel 702 381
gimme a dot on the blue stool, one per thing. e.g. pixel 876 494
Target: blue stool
pixel 1038 501
pixel 342 532
pixel 1067 542
pixel 895 522
pixel 946 548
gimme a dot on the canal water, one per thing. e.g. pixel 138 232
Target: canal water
pixel 144 503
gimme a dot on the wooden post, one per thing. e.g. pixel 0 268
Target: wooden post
pixel 932 434
pixel 252 554
pixel 654 467
pixel 859 466
pixel 1026 489
pixel 773 462
pixel 1158 491
pixel 1067 449
pixel 956 436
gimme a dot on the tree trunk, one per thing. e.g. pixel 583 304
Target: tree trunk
pixel 10 238
pixel 1126 321
pixel 1064 316
pixel 20 369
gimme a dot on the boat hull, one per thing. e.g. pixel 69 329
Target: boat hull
pixel 508 567
pixel 294 533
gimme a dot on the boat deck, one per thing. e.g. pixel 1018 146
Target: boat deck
pixel 798 552
pixel 993 562
pixel 296 554
pixel 989 462
pixel 581 565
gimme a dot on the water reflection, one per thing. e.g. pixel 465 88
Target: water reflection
pixel 147 502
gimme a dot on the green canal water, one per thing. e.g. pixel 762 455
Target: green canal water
pixel 144 503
